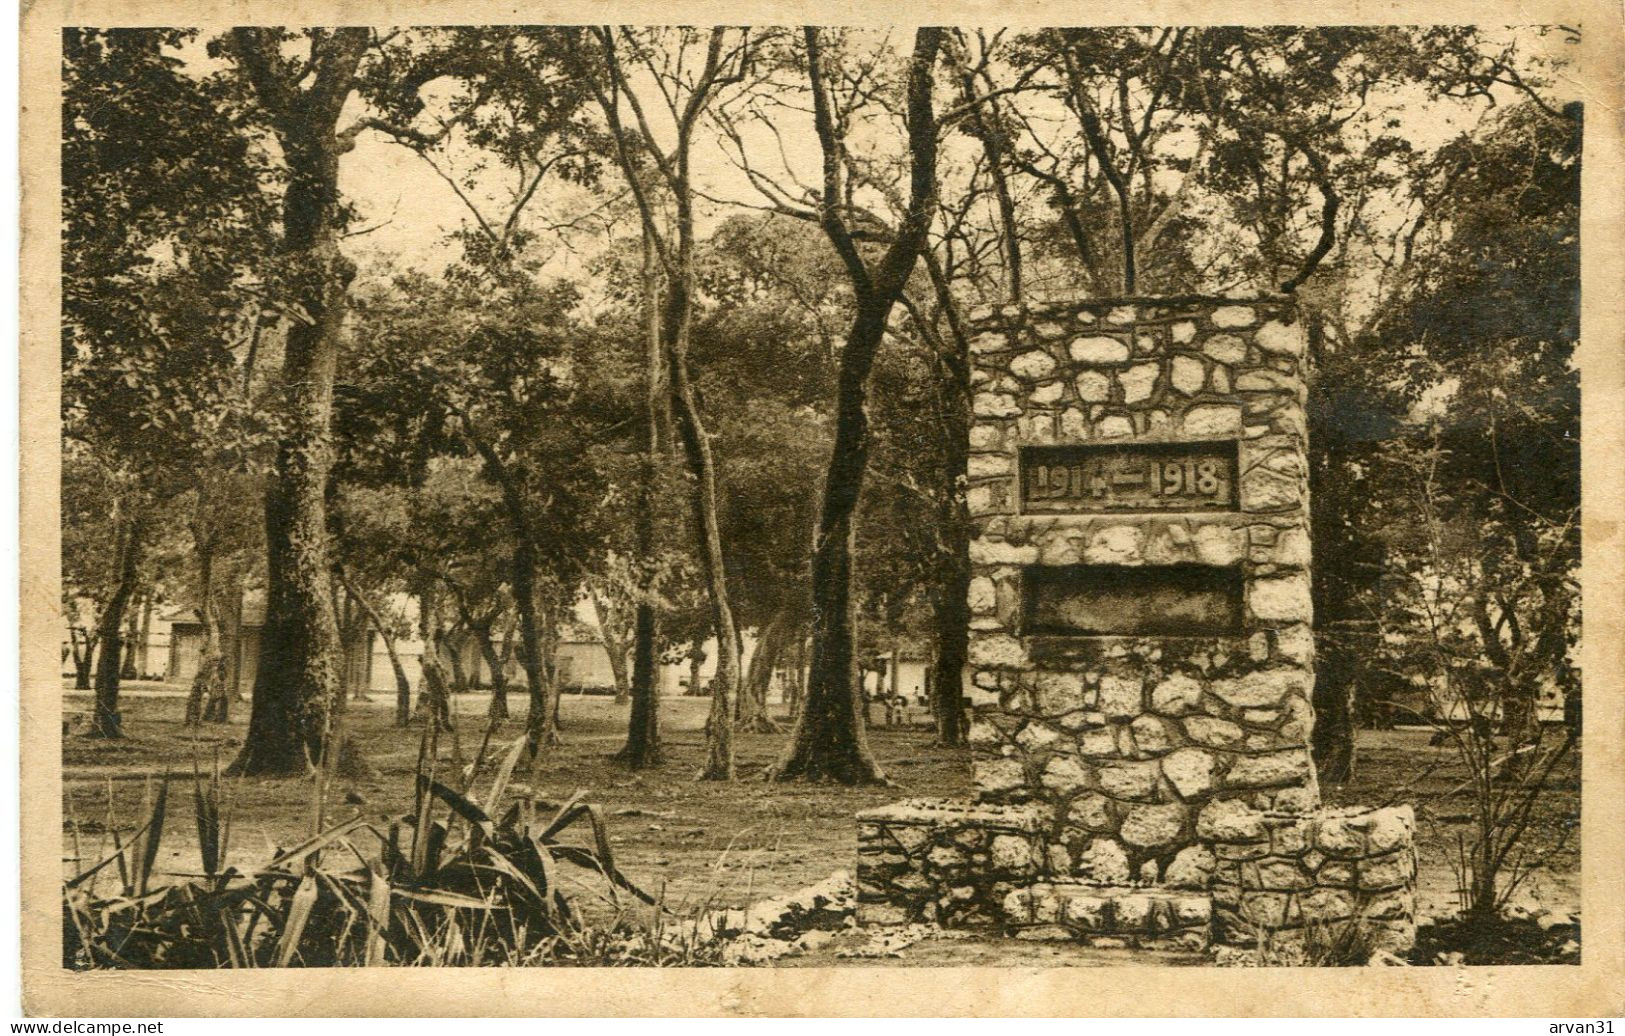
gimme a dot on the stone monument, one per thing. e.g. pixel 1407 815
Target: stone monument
pixel 1141 651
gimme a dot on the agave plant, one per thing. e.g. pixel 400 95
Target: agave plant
pixel 457 882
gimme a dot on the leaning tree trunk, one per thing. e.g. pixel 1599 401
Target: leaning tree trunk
pixel 403 686
pixel 106 720
pixel 614 646
pixel 719 759
pixel 297 680
pixel 495 713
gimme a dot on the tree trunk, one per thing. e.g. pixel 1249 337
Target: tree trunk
pixel 614 646
pixel 952 600
pixel 1331 739
pixel 106 721
pixel 499 712
pixel 540 731
pixel 234 640
pixel 403 686
pixel 696 658
pixel 434 695
pixel 83 643
pixel 132 642
pixel 719 762
pixel 207 697
pixel 297 680
pixel 143 660
pixel 642 749
pixel 829 742
pixel 454 642
pixel 499 678
pixel 753 714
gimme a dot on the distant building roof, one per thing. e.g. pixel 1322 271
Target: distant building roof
pixel 253 612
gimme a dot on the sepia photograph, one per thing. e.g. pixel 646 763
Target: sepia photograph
pixel 755 496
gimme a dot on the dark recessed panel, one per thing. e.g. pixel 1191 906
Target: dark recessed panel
pixel 1131 600
pixel 1175 476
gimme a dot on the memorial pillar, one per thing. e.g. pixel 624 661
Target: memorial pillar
pixel 1140 641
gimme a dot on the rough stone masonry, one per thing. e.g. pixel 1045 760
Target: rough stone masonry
pixel 1141 655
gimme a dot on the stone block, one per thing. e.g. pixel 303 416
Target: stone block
pixel 1280 599
pixel 1233 316
pixel 1089 811
pixel 1177 695
pixel 1261 688
pixel 1281 338
pixel 1281 875
pixel 1104 862
pixel 1139 381
pixel 987 465
pixel 1190 771
pixel 987 342
pixel 1121 697
pixel 1187 375
pixel 986 436
pixel 1131 781
pixel 1391 828
pixel 980 598
pixel 1033 365
pixel 1269 769
pixel 1212 419
pixel 1150 735
pixel 1013 853
pixel 1191 868
pixel 1115 427
pixel 996 776
pixel 995 404
pixel 1047 394
pixel 1153 826
pixel 1215 733
pixel 1226 348
pixel 1131 913
pixel 1099 349
pixel 1064 774
pixel 1229 820
pixel 1393 870
pixel 997 651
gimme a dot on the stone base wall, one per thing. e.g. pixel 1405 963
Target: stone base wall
pixel 1297 876
pixel 1110 917
pixel 948 863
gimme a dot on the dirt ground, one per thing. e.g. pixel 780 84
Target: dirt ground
pixel 698 843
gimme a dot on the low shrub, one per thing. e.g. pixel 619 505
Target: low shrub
pixel 460 881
